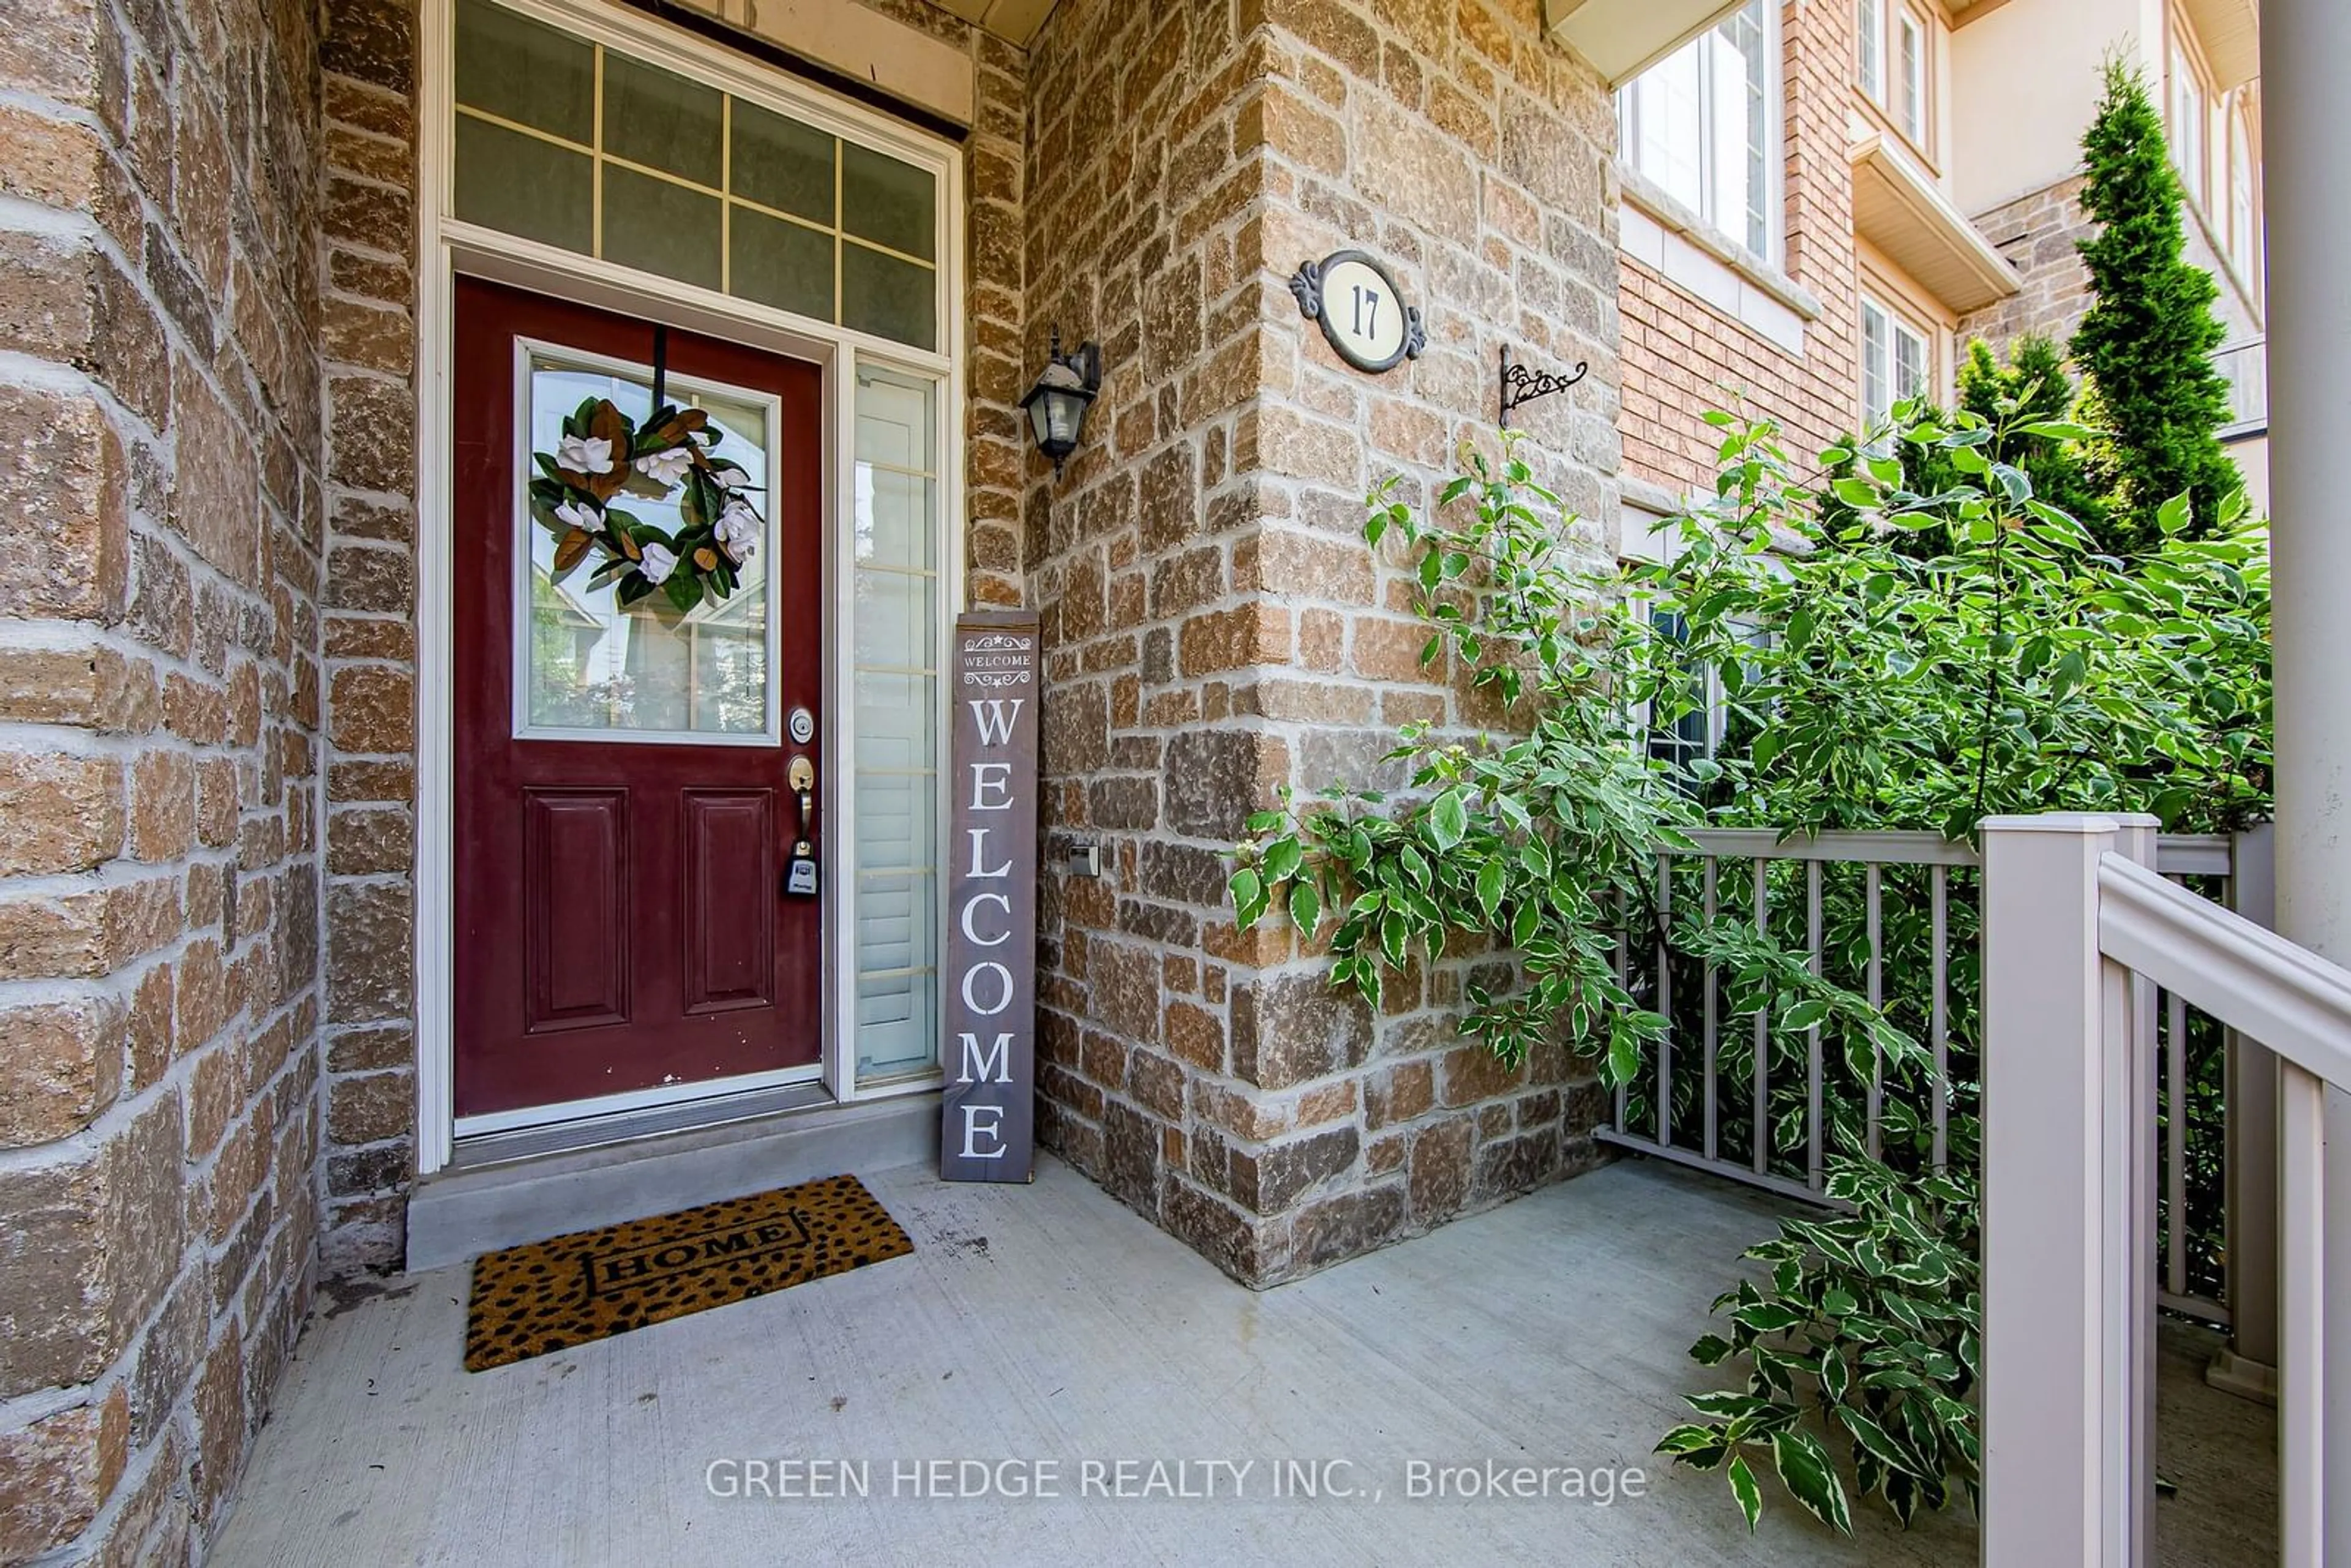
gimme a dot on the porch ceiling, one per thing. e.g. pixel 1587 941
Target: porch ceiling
pixel 1623 37
pixel 1014 21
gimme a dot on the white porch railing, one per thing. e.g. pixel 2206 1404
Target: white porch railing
pixel 1767 1128
pixel 2079 932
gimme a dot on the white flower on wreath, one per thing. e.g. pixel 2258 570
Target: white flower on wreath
pixel 666 468
pixel 730 478
pixel 580 514
pixel 585 453
pixel 737 530
pixel 659 561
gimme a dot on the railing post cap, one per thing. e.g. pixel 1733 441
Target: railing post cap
pixel 2078 823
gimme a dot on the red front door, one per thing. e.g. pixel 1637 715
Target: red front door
pixel 624 816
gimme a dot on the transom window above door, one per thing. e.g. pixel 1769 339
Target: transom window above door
pixel 561 140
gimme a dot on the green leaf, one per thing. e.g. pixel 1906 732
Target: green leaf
pixel 1687 1439
pixel 2057 430
pixel 1624 1061
pixel 1248 890
pixel 1448 820
pixel 1767 1317
pixel 1810 1477
pixel 1835 1375
pixel 1874 1440
pixel 1743 1488
pixel 1305 906
pixel 1705 1453
pixel 1809 1013
pixel 1490 878
pixel 1282 857
pixel 1710 1350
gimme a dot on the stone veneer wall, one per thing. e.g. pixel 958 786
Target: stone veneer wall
pixel 368 282
pixel 161 507
pixel 2041 235
pixel 1684 357
pixel 1216 626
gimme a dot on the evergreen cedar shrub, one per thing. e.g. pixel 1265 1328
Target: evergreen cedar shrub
pixel 2030 389
pixel 2146 347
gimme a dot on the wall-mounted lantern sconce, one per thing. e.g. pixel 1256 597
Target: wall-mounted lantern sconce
pixel 1056 404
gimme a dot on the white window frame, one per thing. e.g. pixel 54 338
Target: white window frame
pixel 447 247
pixel 2190 125
pixel 1914 55
pixel 1711 207
pixel 1660 542
pixel 2245 236
pixel 1898 326
pixel 1894 67
pixel 1869 25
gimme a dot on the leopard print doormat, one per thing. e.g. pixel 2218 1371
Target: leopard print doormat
pixel 592 1284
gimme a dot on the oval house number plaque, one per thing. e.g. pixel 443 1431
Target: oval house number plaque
pixel 1362 311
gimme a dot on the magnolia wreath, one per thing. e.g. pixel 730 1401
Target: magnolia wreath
pixel 604 457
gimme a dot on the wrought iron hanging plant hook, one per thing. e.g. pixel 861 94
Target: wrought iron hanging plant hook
pixel 1522 385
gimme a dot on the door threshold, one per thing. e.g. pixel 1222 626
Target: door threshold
pixel 473 1151
pixel 481 1204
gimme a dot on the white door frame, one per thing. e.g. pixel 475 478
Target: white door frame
pixel 447 247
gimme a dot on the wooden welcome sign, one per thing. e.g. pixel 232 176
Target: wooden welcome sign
pixel 989 1131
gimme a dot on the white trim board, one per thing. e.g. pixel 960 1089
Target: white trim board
pixel 447 247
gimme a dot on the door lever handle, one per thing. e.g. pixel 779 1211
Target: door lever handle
pixel 799 877
pixel 801 776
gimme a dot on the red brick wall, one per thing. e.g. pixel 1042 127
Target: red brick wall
pixel 1683 356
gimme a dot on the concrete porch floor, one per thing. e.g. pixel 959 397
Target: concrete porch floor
pixel 1050 1323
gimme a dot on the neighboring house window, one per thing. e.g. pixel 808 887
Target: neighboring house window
pixel 1700 125
pixel 1681 741
pixel 1896 360
pixel 1895 66
pixel 1913 110
pixel 1871 23
pixel 2187 122
pixel 1704 728
pixel 2241 192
